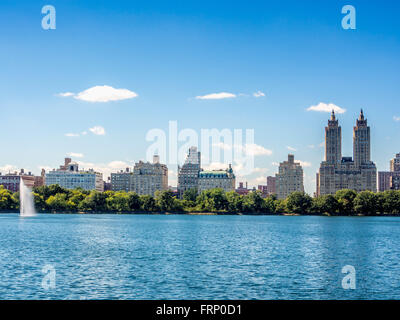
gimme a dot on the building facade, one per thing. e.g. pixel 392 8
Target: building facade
pixel 271 185
pixel 188 174
pixel 70 177
pixel 122 181
pixel 289 179
pixel 147 178
pixel 336 172
pixel 12 181
pixel 390 180
pixel 223 179
pixel 242 190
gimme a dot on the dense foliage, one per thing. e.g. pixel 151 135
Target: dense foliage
pixel 344 202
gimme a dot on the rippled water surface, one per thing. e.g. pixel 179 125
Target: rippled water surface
pixel 198 257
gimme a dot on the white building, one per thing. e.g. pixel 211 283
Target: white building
pixel 224 179
pixel 70 177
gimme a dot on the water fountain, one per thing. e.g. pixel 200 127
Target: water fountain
pixel 27 208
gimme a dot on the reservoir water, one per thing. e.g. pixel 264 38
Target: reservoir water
pixel 197 257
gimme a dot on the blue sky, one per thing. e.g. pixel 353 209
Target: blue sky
pixel 169 52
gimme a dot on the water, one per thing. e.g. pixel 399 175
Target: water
pixel 198 257
pixel 27 208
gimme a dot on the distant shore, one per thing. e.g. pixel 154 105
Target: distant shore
pixel 207 214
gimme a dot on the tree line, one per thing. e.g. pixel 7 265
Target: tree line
pixel 345 202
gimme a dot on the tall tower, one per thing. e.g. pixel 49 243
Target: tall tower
pixel 361 141
pixel 188 174
pixel 333 140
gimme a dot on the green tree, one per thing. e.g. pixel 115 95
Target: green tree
pixel 7 201
pixel 235 201
pixel 365 203
pixel 95 201
pixel 391 202
pixel 148 203
pixel 190 195
pixel 270 204
pixel 299 202
pixel 253 202
pixel 58 203
pixel 118 202
pixel 280 206
pixel 345 198
pixel 39 202
pixel 165 200
pixel 134 202
pixel 325 204
pixel 212 200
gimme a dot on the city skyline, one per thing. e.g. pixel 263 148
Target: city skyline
pixel 277 69
pixel 332 145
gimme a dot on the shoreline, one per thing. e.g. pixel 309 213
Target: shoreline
pixel 206 214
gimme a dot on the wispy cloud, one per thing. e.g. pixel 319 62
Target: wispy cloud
pixel 75 155
pixel 217 96
pixel 105 168
pixel 291 148
pixel 98 130
pixel 257 150
pixel 101 94
pixel 323 107
pixel 259 94
pixel 248 148
pixel 304 164
pixel 72 134
pixel 397 119
pixel 65 94
pixel 8 168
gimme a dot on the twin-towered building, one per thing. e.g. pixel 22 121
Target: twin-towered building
pixel 336 172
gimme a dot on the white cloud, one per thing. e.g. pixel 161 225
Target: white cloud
pixel 311 146
pixel 215 96
pixel 322 144
pixel 66 94
pixel 105 168
pixel 323 107
pixel 291 148
pixel 46 168
pixel 304 164
pixel 276 164
pixel 257 150
pixel 396 118
pixel 172 178
pixel 98 130
pixel 259 94
pixel 75 155
pixel 248 149
pixel 101 94
pixel 8 168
